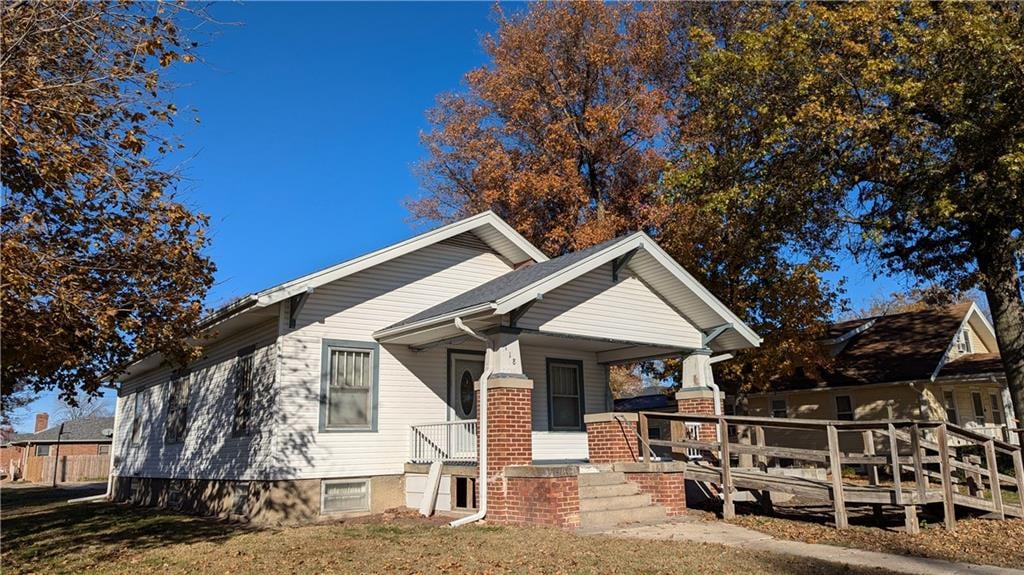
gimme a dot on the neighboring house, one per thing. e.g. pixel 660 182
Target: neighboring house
pixel 66 445
pixel 935 364
pixel 330 393
pixel 10 455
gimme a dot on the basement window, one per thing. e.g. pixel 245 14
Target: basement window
pixel 240 498
pixel 135 489
pixel 174 494
pixel 344 495
pixel 464 493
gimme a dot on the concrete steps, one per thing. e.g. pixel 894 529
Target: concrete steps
pixel 608 500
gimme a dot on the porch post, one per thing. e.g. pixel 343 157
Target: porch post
pixel 697 394
pixel 509 421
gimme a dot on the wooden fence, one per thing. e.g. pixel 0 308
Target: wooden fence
pixel 70 468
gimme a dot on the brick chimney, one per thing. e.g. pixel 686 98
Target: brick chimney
pixel 42 421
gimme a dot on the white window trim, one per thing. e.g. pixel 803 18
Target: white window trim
pixel 323 493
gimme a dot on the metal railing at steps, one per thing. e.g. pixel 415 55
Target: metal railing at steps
pixel 691 433
pixel 447 442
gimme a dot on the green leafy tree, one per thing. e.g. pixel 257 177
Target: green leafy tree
pixel 100 261
pixel 896 129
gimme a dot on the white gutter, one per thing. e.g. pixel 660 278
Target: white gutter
pixel 482 422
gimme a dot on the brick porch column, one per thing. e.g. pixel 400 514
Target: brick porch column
pixel 699 400
pixel 509 435
pixel 611 437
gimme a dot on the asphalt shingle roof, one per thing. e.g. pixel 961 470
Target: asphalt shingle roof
pixel 89 429
pixel 899 347
pixel 506 284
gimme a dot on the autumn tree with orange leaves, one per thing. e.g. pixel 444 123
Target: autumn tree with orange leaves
pixel 568 134
pixel 100 260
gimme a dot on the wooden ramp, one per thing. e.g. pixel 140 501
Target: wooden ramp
pixel 936 462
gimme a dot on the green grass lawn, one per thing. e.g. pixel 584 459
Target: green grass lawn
pixel 43 534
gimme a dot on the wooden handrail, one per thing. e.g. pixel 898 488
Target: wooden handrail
pixel 909 446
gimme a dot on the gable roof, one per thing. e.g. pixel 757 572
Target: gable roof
pixel 487 226
pixel 504 285
pixel 254 308
pixel 909 346
pixel 518 287
pixel 90 429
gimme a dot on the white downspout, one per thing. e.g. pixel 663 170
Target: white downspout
pixel 482 422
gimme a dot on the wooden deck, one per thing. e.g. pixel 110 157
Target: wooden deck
pixel 936 462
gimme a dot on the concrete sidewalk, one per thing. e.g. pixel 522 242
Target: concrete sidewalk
pixel 722 533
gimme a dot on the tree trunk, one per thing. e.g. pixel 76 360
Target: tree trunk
pixel 1001 280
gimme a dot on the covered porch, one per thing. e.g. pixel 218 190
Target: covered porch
pixel 528 357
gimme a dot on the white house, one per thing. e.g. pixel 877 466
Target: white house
pixel 330 393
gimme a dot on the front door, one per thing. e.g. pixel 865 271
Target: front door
pixel 464 370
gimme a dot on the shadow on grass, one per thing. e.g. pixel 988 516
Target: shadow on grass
pixel 39 526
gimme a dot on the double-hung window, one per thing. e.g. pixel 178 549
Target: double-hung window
pixel 844 408
pixel 565 395
pixel 177 409
pixel 979 408
pixel 349 386
pixel 137 419
pixel 997 409
pixel 244 373
pixel 949 404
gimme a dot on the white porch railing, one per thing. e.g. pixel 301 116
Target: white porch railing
pixel 451 441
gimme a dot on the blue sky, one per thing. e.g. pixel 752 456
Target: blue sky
pixel 310 115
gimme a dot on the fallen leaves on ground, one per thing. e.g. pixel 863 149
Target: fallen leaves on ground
pixel 981 541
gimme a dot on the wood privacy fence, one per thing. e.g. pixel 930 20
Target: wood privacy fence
pixel 900 463
pixel 70 468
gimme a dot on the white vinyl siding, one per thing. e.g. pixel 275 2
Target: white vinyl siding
pixel 209 449
pixel 627 310
pixel 346 495
pixel 413 384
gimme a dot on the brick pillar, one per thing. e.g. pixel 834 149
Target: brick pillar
pixel 699 400
pixel 612 437
pixel 509 436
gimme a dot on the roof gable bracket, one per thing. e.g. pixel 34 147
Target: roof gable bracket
pixel 295 304
pixel 710 335
pixel 515 315
pixel 621 261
